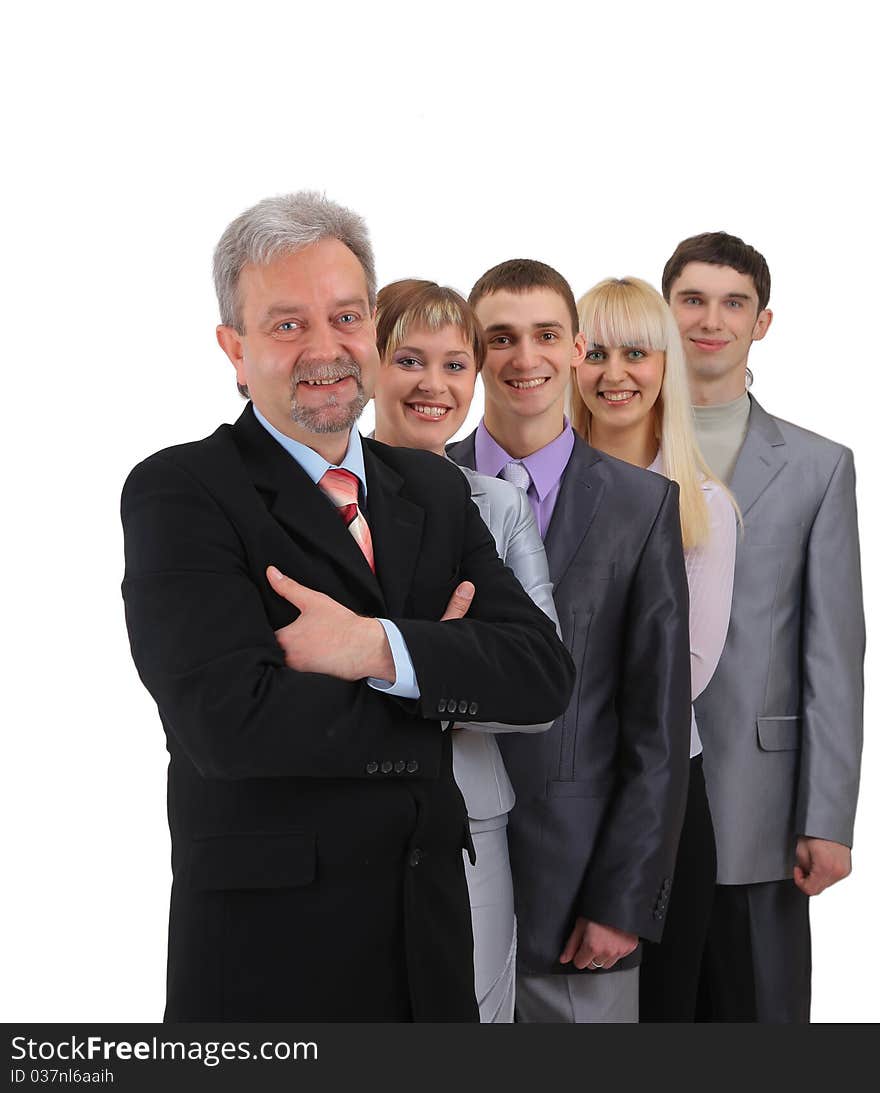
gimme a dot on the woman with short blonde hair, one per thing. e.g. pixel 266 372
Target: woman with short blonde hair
pixel 431 348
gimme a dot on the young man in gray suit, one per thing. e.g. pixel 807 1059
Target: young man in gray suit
pixel 600 797
pixel 781 721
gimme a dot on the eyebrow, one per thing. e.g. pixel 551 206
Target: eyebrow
pixel 620 345
pixel 448 353
pixel 550 324
pixel 726 295
pixel 289 309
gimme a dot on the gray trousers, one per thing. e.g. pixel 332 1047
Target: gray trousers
pixel 491 896
pixel 583 999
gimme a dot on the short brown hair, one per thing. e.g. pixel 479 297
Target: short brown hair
pixel 523 275
pixel 720 249
pixel 411 302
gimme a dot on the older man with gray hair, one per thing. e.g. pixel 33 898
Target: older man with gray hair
pixel 287 593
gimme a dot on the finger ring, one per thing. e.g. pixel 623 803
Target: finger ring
pixel 596 964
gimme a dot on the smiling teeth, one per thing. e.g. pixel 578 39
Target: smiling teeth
pixel 323 383
pixel 617 396
pixel 429 411
pixel 524 384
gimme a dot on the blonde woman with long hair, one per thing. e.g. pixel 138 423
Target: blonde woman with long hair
pixel 630 398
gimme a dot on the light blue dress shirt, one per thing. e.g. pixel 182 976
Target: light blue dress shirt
pixel 315 465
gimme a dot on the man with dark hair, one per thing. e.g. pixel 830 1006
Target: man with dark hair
pixel 720 249
pixel 600 797
pixel 781 720
pixel 316 827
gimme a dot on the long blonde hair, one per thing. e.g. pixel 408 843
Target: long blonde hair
pixel 629 311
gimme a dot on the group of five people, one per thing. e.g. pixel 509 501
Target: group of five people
pixel 637 654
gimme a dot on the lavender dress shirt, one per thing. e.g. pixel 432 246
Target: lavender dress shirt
pixel 545 467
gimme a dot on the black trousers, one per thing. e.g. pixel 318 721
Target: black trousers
pixel 670 972
pixel 757 964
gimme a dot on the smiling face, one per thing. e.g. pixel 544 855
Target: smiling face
pixel 620 386
pixel 531 351
pixel 308 351
pixel 424 388
pixel 716 309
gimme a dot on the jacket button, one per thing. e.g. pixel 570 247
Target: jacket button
pixel 441 706
pixel 415 857
pixel 412 766
pixel 658 914
pixel 399 767
pixel 472 709
pixel 372 767
pixel 462 705
pixel 387 766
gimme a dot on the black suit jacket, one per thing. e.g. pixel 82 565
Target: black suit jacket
pixel 316 828
pixel 600 797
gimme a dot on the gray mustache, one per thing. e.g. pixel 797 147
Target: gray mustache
pixel 337 369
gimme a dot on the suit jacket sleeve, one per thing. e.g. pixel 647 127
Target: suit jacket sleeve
pixel 504 661
pixel 630 871
pixel 833 630
pixel 206 651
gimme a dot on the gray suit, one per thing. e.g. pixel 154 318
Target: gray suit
pixel 781 720
pixel 479 769
pixel 600 797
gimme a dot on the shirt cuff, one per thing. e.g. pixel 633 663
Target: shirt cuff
pixel 406 685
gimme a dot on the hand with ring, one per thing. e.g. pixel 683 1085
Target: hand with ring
pixel 592 946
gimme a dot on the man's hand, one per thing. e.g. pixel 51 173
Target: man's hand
pixel 591 945
pixel 459 602
pixel 328 638
pixel 820 863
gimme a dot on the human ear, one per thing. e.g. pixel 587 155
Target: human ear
pixel 762 324
pixel 580 350
pixel 230 342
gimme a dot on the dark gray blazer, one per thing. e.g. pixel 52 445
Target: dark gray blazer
pixel 600 797
pixel 781 720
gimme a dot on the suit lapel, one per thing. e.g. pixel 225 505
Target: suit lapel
pixel 576 506
pixel 396 525
pixel 761 458
pixel 303 510
pixel 481 498
pixel 463 452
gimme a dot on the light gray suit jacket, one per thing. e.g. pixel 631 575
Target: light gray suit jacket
pixel 477 763
pixel 781 720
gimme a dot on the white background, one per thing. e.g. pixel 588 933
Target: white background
pixel 465 133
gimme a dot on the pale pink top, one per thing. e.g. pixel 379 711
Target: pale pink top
pixel 709 570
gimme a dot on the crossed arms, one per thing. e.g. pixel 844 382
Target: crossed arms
pixel 199 610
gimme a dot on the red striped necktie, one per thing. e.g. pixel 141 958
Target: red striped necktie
pixel 342 488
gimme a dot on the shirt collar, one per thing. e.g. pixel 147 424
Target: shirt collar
pixel 316 465
pixel 545 466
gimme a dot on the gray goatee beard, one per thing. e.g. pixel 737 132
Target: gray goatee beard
pixel 334 416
